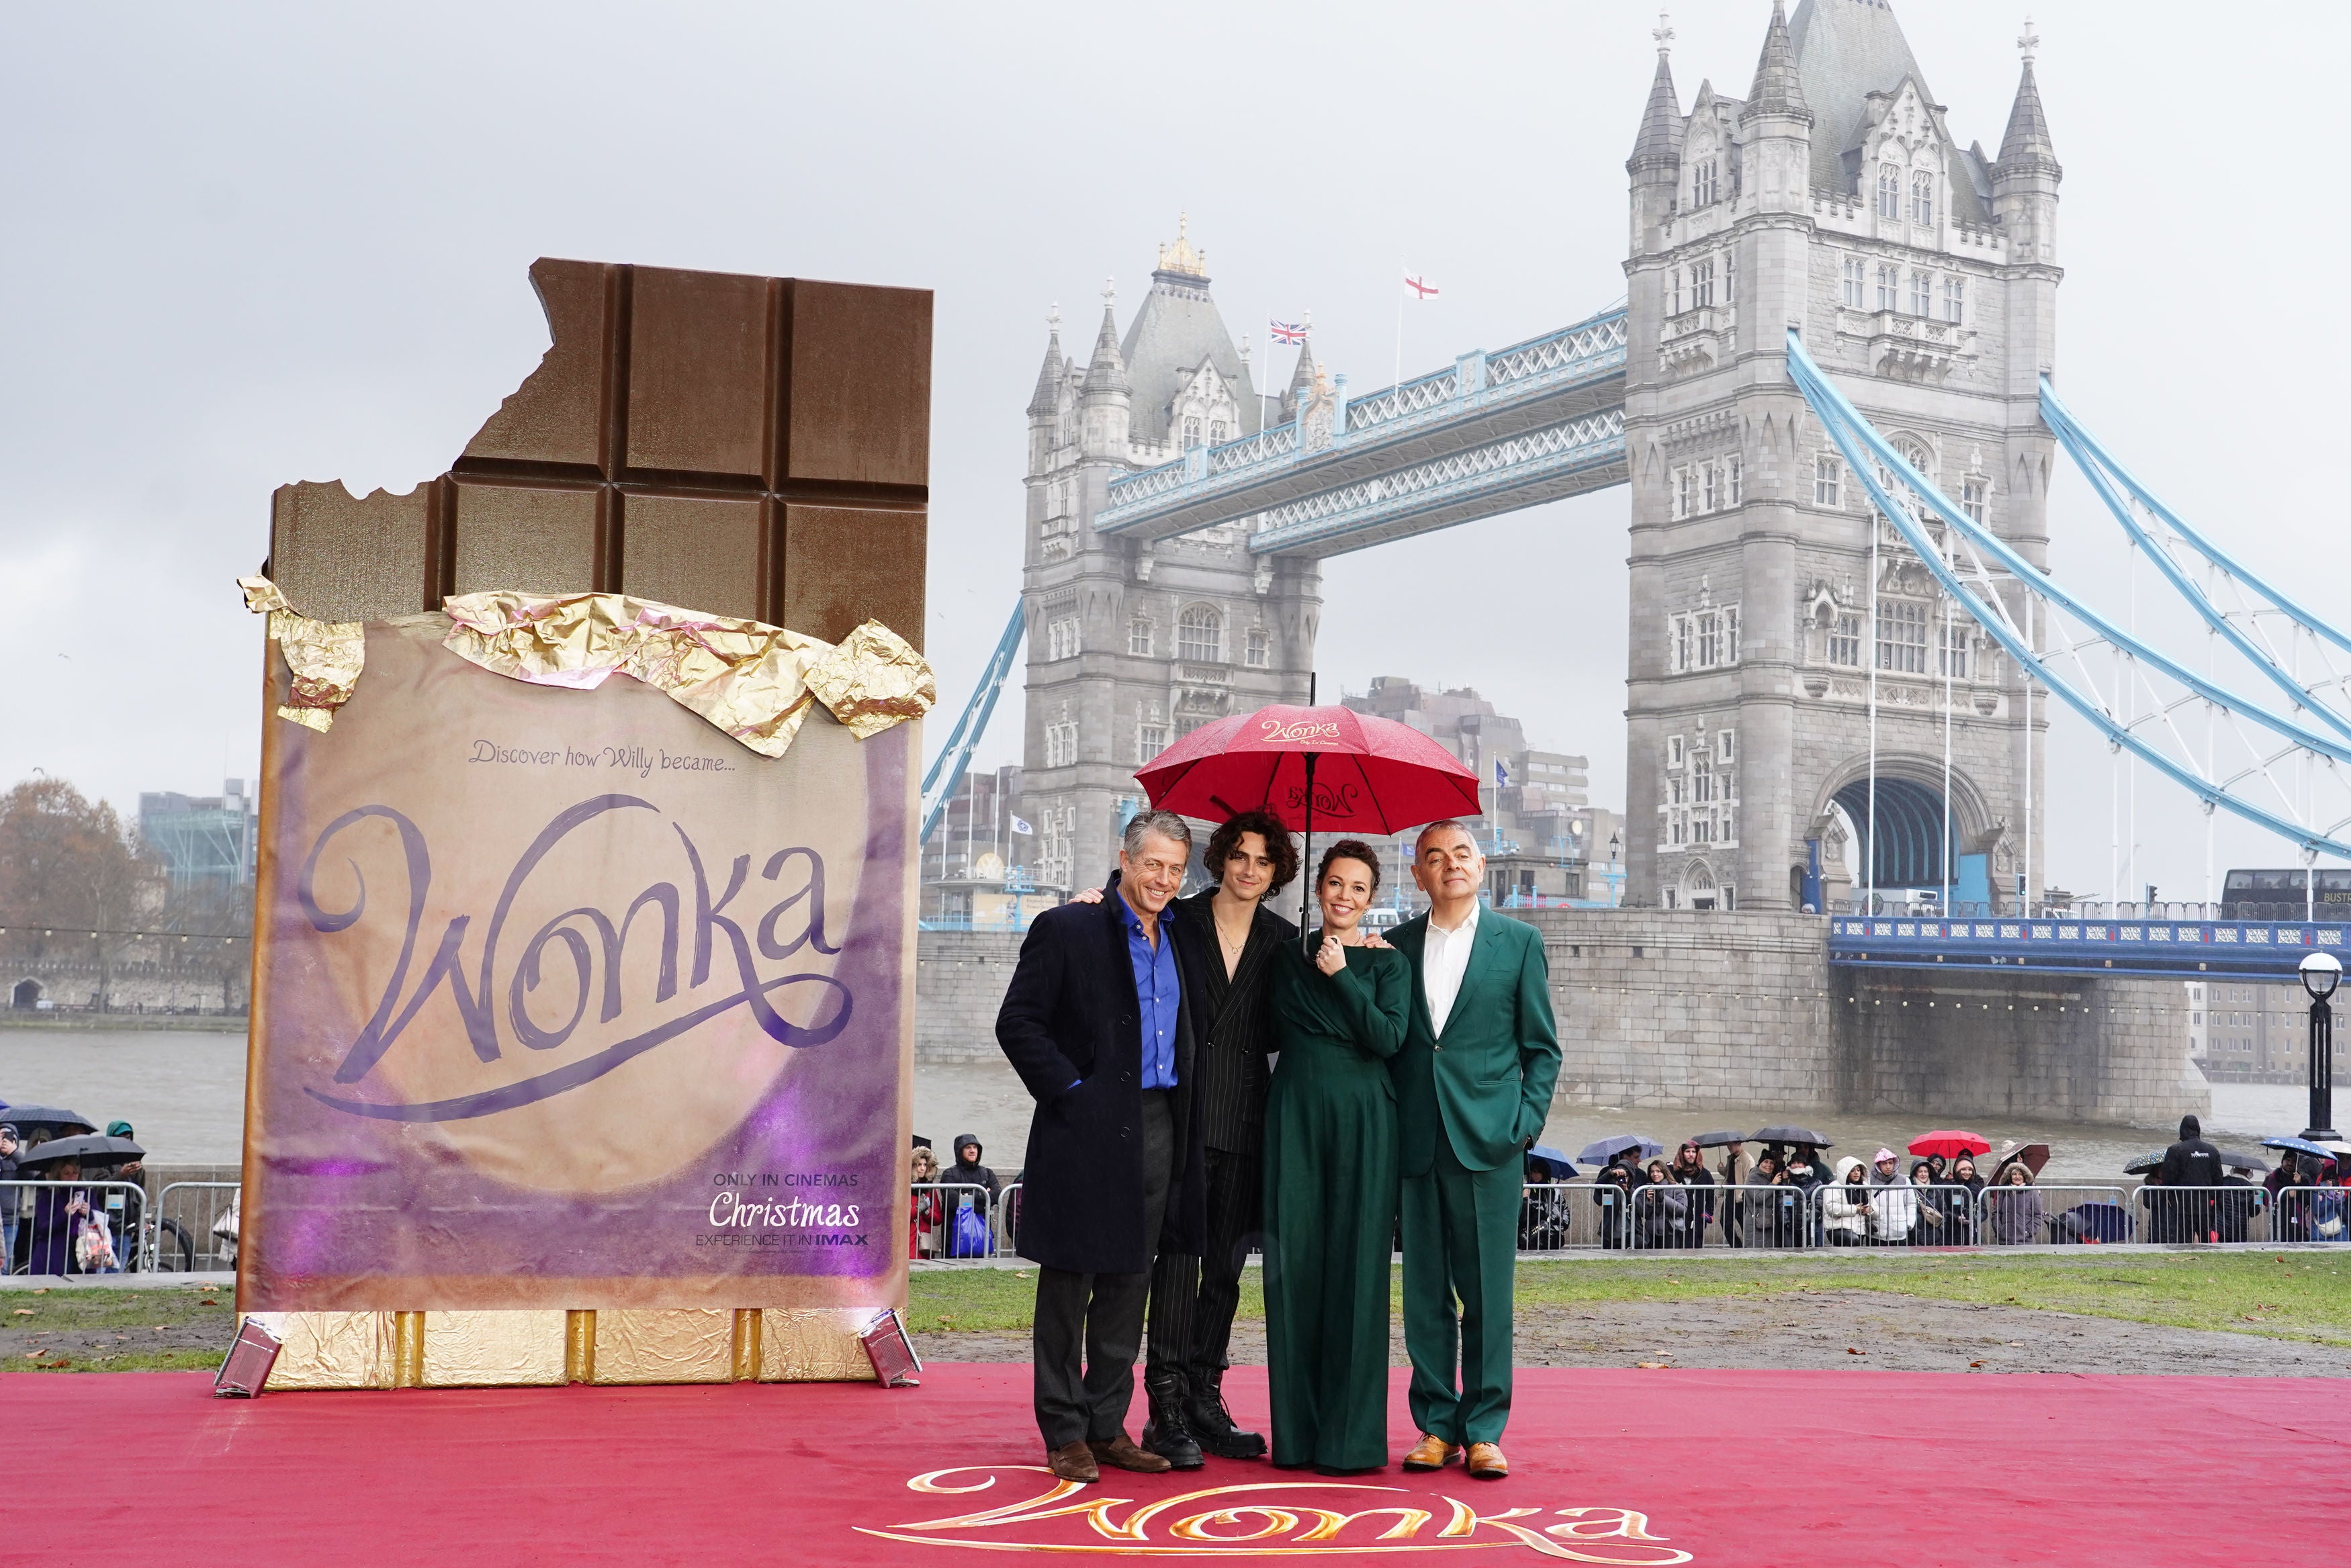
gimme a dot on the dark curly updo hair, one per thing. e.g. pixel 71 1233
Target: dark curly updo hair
pixel 1226 839
pixel 1350 849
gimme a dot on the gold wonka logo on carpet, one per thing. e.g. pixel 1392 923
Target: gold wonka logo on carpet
pixel 1269 1519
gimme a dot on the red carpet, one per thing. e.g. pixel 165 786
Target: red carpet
pixel 1735 1467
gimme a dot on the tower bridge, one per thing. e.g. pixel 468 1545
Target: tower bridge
pixel 1799 696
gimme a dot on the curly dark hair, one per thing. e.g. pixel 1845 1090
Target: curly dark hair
pixel 1350 849
pixel 1278 844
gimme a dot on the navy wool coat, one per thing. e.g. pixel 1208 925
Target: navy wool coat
pixel 1071 1016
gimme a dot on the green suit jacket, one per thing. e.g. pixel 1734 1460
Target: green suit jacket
pixel 1486 1081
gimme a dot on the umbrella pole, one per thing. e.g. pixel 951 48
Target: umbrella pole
pixel 1306 877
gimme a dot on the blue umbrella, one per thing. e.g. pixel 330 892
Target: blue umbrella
pixel 1608 1148
pixel 1559 1166
pixel 2094 1222
pixel 2299 1146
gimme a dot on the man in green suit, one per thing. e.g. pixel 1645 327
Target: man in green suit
pixel 1473 1085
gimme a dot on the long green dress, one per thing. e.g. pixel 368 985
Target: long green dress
pixel 1331 1204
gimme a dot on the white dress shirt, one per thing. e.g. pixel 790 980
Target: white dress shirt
pixel 1444 960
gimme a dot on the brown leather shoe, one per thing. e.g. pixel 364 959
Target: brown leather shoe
pixel 1430 1454
pixel 1120 1453
pixel 1074 1463
pixel 1487 1463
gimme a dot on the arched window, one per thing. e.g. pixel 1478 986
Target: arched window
pixel 1922 199
pixel 1200 636
pixel 1889 191
pixel 1192 431
pixel 1215 433
pixel 1259 649
pixel 1922 292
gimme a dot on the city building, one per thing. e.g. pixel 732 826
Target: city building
pixel 1133 644
pixel 977 865
pixel 1835 197
pixel 205 841
pixel 2253 1032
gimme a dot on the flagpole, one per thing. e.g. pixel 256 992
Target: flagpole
pixel 1399 330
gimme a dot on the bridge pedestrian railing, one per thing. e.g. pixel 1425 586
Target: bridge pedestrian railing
pixel 41 1221
pixel 2178 949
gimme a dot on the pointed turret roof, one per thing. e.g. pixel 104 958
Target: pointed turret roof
pixel 1106 372
pixel 1177 330
pixel 1047 398
pixel 1660 144
pixel 1777 89
pixel 1302 379
pixel 2027 143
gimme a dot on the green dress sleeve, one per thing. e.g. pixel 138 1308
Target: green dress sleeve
pixel 1369 996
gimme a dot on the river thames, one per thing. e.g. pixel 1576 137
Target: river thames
pixel 183 1090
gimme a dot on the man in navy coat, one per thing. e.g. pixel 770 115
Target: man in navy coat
pixel 1095 1023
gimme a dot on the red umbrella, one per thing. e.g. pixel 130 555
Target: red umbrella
pixel 1328 767
pixel 1950 1145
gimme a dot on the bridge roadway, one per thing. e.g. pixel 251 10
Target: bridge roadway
pixel 2177 950
pixel 1537 421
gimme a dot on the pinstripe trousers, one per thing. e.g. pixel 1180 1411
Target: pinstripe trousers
pixel 1193 1299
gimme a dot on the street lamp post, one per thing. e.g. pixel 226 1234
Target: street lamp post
pixel 2321 973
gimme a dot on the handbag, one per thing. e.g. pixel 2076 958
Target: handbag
pixel 970 1237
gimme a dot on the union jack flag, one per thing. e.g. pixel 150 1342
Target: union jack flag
pixel 1286 332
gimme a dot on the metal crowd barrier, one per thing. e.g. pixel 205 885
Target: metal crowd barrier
pixel 2166 1216
pixel 26 1213
pixel 1008 1220
pixel 2311 1214
pixel 2056 1214
pixel 943 1232
pixel 192 1228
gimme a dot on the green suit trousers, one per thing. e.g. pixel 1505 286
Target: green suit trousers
pixel 1461 1245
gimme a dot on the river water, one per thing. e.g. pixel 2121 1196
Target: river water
pixel 184 1093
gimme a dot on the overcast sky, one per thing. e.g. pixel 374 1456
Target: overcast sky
pixel 251 245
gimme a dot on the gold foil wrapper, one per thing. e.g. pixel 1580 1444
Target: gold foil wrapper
pixel 473 1349
pixel 325 655
pixel 752 681
pixel 679 1344
pixel 813 1345
pixel 873 679
pixel 331 1349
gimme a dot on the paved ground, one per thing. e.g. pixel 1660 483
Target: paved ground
pixel 1799 1330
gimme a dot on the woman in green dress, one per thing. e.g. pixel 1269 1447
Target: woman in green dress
pixel 1331 1179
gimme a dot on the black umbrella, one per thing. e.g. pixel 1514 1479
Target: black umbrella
pixel 2236 1161
pixel 93 1149
pixel 1791 1135
pixel 1716 1139
pixel 45 1121
pixel 1608 1148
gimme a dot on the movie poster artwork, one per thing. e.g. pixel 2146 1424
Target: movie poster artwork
pixel 565 999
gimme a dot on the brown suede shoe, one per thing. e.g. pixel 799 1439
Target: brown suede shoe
pixel 1431 1454
pixel 1074 1463
pixel 1120 1453
pixel 1487 1463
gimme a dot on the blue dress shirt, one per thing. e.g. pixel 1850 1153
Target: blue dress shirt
pixel 1160 992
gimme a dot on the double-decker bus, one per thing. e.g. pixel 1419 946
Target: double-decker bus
pixel 2282 895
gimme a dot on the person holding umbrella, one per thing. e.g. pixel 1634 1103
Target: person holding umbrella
pixel 1474 1086
pixel 9 1147
pixel 1097 1025
pixel 1331 1179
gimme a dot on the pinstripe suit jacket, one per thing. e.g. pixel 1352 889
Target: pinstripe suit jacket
pixel 1235 1022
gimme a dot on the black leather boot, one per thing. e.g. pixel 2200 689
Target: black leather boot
pixel 1164 1433
pixel 1211 1424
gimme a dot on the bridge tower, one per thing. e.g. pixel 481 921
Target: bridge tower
pixel 1834 199
pixel 1133 643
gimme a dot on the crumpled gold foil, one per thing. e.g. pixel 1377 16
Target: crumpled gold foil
pixel 325 655
pixel 873 679
pixel 753 680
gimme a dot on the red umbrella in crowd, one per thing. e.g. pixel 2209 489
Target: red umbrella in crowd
pixel 1950 1145
pixel 1332 767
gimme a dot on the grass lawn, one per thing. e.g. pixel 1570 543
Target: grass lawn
pixel 2287 1295
pixel 173 1329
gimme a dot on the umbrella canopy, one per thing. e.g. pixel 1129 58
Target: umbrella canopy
pixel 1557 1166
pixel 2094 1222
pixel 2300 1145
pixel 1716 1139
pixel 45 1121
pixel 1608 1148
pixel 2236 1161
pixel 1791 1135
pixel 1950 1143
pixel 2151 1160
pixel 90 1149
pixel 1372 777
pixel 2032 1156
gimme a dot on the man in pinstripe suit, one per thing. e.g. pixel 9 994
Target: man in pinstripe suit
pixel 1229 973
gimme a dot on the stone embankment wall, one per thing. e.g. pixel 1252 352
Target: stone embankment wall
pixel 1673 1009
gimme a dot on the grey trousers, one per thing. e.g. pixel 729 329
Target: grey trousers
pixel 1089 1327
